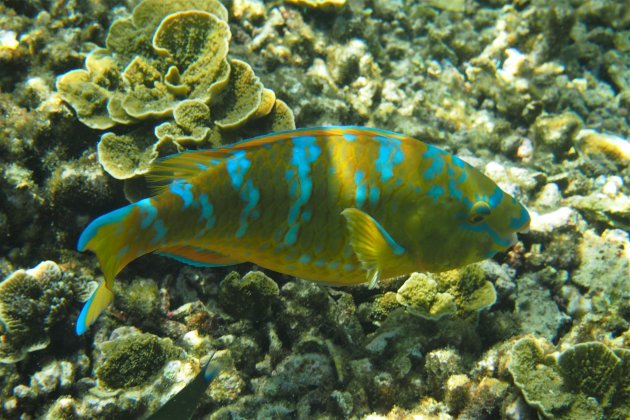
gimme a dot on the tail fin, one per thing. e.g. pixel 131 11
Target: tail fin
pixel 117 238
pixel 97 303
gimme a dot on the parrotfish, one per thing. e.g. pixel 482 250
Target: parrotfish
pixel 336 205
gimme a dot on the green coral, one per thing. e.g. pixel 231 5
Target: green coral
pixel 132 360
pixel 32 302
pixel 584 381
pixel 191 120
pixel 421 295
pixel 464 291
pixel 126 154
pixel 168 63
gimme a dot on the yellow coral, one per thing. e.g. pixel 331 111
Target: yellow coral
pixel 168 62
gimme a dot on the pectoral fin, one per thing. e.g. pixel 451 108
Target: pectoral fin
pixel 372 244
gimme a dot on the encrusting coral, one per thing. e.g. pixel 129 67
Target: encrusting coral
pixel 31 303
pixel 584 381
pixel 168 63
pixel 434 296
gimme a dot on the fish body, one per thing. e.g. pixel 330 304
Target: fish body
pixel 337 205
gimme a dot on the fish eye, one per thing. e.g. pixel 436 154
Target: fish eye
pixel 479 211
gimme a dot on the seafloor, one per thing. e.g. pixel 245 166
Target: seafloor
pixel 534 93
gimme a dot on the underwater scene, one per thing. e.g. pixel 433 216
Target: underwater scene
pixel 298 209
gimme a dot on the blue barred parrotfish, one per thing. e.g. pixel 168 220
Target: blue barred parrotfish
pixel 336 205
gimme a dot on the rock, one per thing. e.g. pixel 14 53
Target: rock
pixel 536 311
pixel 251 296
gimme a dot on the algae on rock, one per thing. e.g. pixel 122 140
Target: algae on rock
pixel 248 297
pixel 132 360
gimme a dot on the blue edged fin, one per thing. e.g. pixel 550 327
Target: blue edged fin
pixel 92 230
pixel 198 257
pixel 97 303
pixel 116 238
pixel 372 244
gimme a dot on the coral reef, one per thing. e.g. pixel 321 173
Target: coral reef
pixel 248 297
pixel 533 93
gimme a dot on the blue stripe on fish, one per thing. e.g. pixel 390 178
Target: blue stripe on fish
pixel 389 155
pixel 454 191
pixel 435 192
pixel 374 195
pixel 147 211
pixel 160 231
pixel 291 236
pixel 189 261
pixel 485 228
pixel 437 162
pixel 305 152
pixel 495 198
pixel 361 189
pixel 207 210
pixel 250 195
pixel 517 223
pixel 183 190
pixel 237 166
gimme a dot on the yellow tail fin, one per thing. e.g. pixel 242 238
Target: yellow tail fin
pixel 97 303
pixel 117 238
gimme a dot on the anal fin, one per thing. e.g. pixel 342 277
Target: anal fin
pixel 199 257
pixel 372 244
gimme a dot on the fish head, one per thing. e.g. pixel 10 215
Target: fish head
pixel 471 219
pixel 488 219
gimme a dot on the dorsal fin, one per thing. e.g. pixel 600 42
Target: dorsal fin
pixel 187 165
